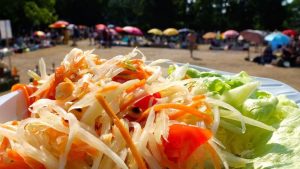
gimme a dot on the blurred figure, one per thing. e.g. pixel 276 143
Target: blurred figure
pixel 191 38
pixel 91 36
pixel 76 35
pixel 66 37
pixel 266 58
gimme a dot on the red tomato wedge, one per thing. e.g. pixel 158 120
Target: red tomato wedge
pixel 147 101
pixel 183 140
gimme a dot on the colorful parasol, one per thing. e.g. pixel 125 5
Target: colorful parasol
pixel 230 34
pixel 209 35
pixel 277 38
pixel 132 30
pixel 290 32
pixel 100 27
pixel 39 33
pixel 255 36
pixel 155 31
pixel 59 24
pixel 170 32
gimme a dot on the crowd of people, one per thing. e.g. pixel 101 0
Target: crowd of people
pixel 283 55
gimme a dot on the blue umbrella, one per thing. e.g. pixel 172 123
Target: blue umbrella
pixel 184 30
pixel 275 39
pixel 110 26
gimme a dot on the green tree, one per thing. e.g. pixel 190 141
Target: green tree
pixel 28 14
pixel 293 11
pixel 160 14
pixel 87 12
pixel 270 14
pixel 40 11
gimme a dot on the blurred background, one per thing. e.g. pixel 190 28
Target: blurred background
pixel 258 36
pixel 200 15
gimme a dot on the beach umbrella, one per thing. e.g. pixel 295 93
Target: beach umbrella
pixel 290 32
pixel 277 38
pixel 230 34
pixel 184 30
pixel 209 35
pixel 119 29
pixel 155 31
pixel 82 26
pixel 112 31
pixel 39 33
pixel 253 36
pixel 170 32
pixel 100 27
pixel 110 26
pixel 70 26
pixel 59 24
pixel 132 30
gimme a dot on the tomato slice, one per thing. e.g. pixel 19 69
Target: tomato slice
pixel 183 140
pixel 147 101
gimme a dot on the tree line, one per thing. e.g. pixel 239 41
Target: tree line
pixel 200 15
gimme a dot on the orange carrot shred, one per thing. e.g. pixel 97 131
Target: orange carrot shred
pixel 199 97
pixel 4 144
pixel 109 88
pixel 24 89
pixel 182 112
pixel 207 118
pixel 135 86
pixel 139 160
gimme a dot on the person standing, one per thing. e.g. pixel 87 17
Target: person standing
pixel 191 38
pixel 76 35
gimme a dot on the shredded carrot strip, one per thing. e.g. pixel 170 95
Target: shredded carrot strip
pixel 199 97
pixel 135 86
pixel 182 112
pixel 125 105
pixel 214 156
pixel 139 160
pixel 109 88
pixel 4 144
pixel 24 89
pixel 187 109
pixel 136 61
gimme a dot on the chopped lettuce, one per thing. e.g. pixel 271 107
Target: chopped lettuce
pixel 261 106
pixel 262 112
pixel 282 150
pixel 237 96
pixel 194 73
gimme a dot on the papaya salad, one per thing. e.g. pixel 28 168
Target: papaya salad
pixel 126 112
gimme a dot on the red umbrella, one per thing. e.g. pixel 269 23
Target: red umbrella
pixel 290 32
pixel 230 34
pixel 119 29
pixel 59 24
pixel 101 27
pixel 133 30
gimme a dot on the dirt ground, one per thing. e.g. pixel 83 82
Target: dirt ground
pixel 231 61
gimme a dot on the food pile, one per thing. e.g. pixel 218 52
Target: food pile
pixel 126 112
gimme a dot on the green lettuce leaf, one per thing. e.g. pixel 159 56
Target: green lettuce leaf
pixel 283 149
